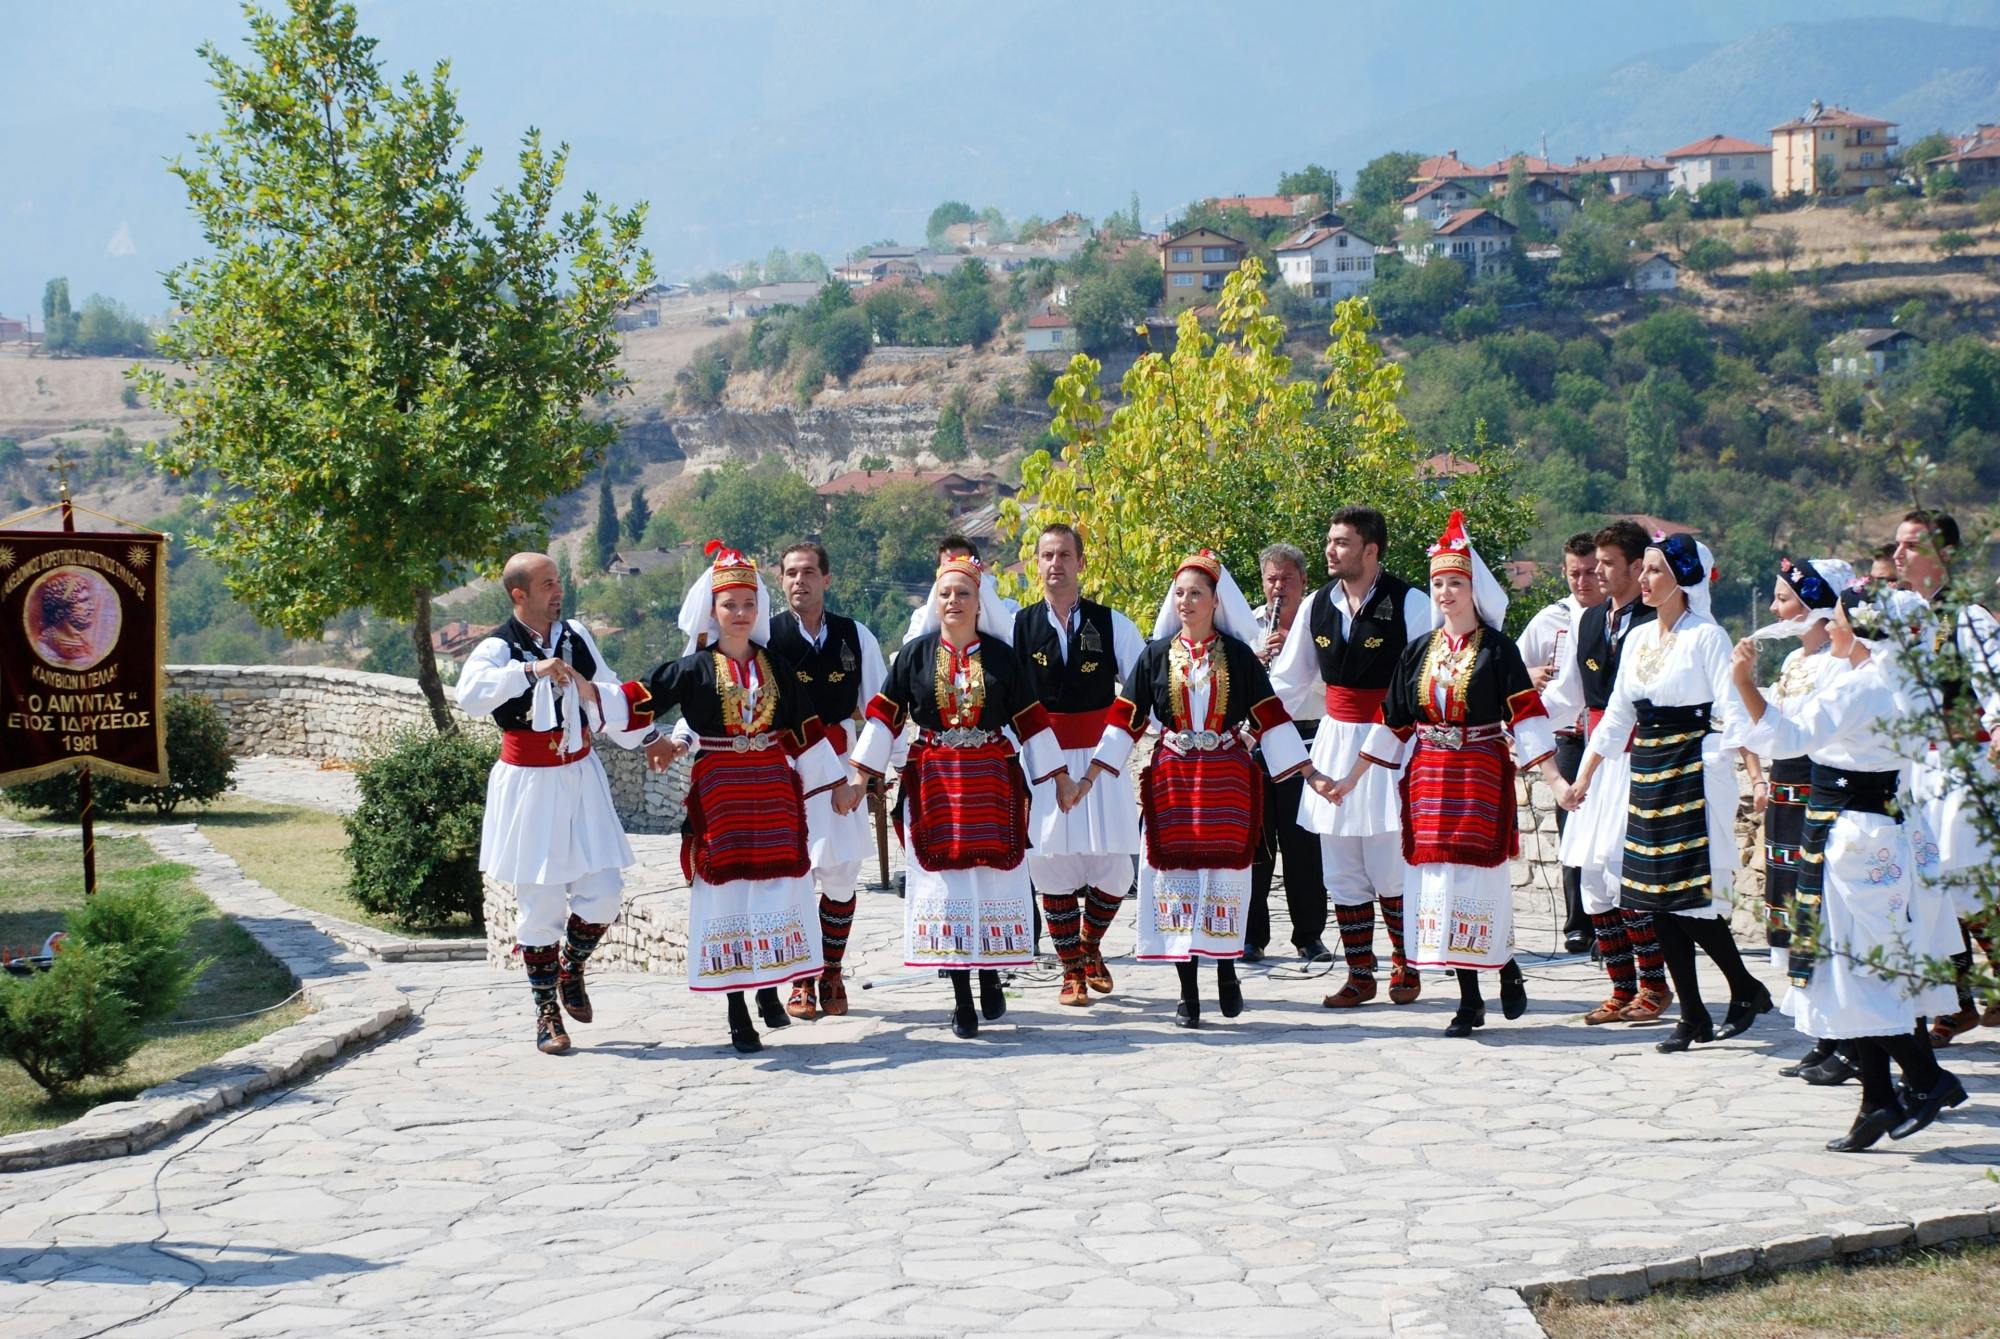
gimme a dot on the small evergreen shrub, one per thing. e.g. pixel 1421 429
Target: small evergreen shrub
pixel 199 769
pixel 123 967
pixel 413 844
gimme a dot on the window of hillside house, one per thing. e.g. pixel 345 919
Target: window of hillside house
pixel 1213 255
pixel 1183 281
pixel 1322 290
pixel 1183 255
pixel 1340 240
pixel 1319 265
pixel 1867 160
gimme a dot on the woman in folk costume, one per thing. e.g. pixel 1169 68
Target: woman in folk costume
pixel 1674 698
pixel 1861 889
pixel 967 902
pixel 1200 798
pixel 1461 690
pixel 753 918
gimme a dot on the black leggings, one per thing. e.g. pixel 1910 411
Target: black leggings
pixel 1190 977
pixel 1468 983
pixel 1679 937
pixel 1913 1055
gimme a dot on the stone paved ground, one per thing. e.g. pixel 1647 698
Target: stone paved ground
pixel 1078 1174
pixel 296 781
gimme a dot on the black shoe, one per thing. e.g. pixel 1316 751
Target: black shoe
pixel 1229 994
pixel 1513 996
pixel 1946 1092
pixel 1685 1035
pixel 746 1040
pixel 1868 1127
pixel 1742 1013
pixel 964 1023
pixel 1187 1015
pixel 1466 1019
pixel 1316 951
pixel 771 1009
pixel 1820 1051
pixel 1576 941
pixel 992 999
pixel 1831 1072
pixel 1252 953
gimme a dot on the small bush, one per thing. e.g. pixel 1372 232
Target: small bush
pixel 414 841
pixel 123 966
pixel 199 769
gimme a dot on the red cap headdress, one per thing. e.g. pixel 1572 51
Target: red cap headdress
pixel 730 568
pixel 964 563
pixel 1453 551
pixel 1202 560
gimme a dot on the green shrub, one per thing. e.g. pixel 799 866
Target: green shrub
pixel 414 841
pixel 123 966
pixel 199 769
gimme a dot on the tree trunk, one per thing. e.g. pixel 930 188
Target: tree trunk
pixel 427 670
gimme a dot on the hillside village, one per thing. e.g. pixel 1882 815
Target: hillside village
pixel 1685 336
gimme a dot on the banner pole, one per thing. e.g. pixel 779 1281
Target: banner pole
pixel 84 791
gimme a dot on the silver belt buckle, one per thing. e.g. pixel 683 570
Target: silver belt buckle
pixel 962 737
pixel 750 743
pixel 1446 736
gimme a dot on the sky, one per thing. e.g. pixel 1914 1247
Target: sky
pixel 826 126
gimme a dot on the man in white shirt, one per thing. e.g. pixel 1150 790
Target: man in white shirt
pixel 1284 576
pixel 1541 644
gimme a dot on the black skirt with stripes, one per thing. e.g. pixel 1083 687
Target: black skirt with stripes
pixel 1667 865
pixel 1784 828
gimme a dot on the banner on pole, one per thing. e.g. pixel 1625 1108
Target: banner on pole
pixel 83 632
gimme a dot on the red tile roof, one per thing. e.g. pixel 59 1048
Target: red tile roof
pixel 1049 320
pixel 867 291
pixel 1712 145
pixel 1445 464
pixel 1166 242
pixel 1430 188
pixel 1832 116
pixel 1533 166
pixel 1444 165
pixel 1621 162
pixel 1459 221
pixel 1260 206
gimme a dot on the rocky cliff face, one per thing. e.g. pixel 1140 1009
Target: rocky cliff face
pixel 822 443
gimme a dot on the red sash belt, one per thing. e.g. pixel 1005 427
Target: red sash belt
pixel 538 748
pixel 1361 706
pixel 1078 729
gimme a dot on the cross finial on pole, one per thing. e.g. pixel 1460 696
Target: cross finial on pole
pixel 60 466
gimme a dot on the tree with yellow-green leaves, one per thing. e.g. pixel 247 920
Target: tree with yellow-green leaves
pixel 1219 445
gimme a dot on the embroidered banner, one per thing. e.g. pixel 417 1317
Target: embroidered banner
pixel 83 625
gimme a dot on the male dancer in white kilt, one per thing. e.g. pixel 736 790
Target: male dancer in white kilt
pixel 551 829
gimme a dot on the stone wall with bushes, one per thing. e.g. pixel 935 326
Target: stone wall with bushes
pixel 338 715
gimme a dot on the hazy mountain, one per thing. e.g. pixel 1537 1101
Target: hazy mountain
pixel 763 123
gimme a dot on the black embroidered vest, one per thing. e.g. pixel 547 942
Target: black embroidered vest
pixel 829 675
pixel 1365 655
pixel 1596 658
pixel 515 715
pixel 1088 680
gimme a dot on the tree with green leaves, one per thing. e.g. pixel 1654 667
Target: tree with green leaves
pixel 1649 444
pixel 58 317
pixel 967 313
pixel 1312 179
pixel 946 214
pixel 637 516
pixel 388 392
pixel 1709 254
pixel 604 535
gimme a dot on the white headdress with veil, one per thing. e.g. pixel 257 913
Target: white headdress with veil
pixel 727 569
pixel 1232 611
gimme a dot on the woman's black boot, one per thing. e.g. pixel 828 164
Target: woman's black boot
pixel 964 1018
pixel 992 999
pixel 1228 990
pixel 771 1009
pixel 1471 1006
pixel 742 1035
pixel 1513 990
pixel 1188 1012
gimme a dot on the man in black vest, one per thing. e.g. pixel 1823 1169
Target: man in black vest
pixel 839 664
pixel 1344 648
pixel 551 829
pixel 1284 576
pixel 1083 837
pixel 1592 841
pixel 1541 644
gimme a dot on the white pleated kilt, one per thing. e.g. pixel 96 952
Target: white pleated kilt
pixel 837 839
pixel 1947 811
pixel 1373 806
pixel 1191 913
pixel 1458 916
pixel 1106 823
pixel 751 933
pixel 551 824
pixel 1594 836
pixel 956 919
pixel 1873 898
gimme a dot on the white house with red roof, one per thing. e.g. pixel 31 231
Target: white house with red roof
pixel 1974 158
pixel 1049 331
pixel 1326 263
pixel 1718 158
pixel 1435 201
pixel 1629 174
pixel 1478 239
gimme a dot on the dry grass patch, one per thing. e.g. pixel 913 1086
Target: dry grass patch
pixel 1935 1294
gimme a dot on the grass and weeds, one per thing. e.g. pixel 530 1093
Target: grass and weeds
pixel 45 882
pixel 1935 1294
pixel 297 853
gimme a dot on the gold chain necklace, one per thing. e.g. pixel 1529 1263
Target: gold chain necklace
pixel 954 709
pixel 734 697
pixel 1180 662
pixel 1454 665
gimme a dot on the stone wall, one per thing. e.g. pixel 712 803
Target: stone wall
pixel 340 716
